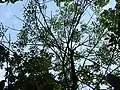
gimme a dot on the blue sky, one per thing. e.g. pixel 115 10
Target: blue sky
pixel 111 4
pixel 7 12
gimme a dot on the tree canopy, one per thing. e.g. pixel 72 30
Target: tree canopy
pixel 64 51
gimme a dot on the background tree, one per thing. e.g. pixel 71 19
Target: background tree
pixel 109 19
pixel 80 57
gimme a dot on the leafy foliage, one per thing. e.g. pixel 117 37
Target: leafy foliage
pixel 100 3
pixel 69 40
pixel 63 52
pixel 110 19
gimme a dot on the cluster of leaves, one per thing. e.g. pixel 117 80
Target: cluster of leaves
pixel 100 3
pixel 27 71
pixel 110 19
